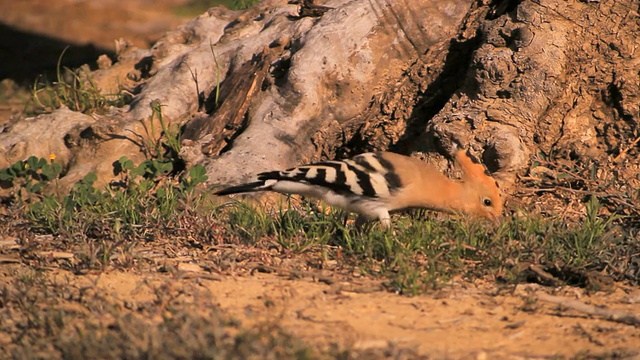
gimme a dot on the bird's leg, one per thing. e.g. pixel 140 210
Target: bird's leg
pixel 385 219
pixel 382 215
pixel 361 221
pixel 345 219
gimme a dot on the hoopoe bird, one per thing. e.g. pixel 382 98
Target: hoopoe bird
pixel 375 184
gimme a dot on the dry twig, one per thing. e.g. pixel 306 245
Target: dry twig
pixel 611 315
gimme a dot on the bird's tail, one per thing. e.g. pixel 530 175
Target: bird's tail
pixel 250 187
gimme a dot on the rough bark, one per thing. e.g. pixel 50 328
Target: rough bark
pixel 509 79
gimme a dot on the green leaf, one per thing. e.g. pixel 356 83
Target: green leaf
pixel 197 175
pixel 5 175
pixel 57 168
pixel 139 170
pixel 198 172
pixel 50 172
pixel 89 179
pixel 163 167
pixel 145 186
pixel 40 163
pixel 35 187
pixel 18 168
pixel 32 163
pixel 125 163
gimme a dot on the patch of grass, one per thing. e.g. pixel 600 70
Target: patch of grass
pixel 102 222
pixel 291 229
pixel 422 253
pixel 73 89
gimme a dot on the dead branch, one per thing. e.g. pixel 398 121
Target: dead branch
pixel 611 315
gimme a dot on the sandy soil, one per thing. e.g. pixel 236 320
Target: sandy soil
pixel 462 321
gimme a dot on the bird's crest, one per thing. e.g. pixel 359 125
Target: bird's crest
pixel 471 166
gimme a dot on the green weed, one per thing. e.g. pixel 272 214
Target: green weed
pixel 144 193
pixel 218 84
pixel 165 144
pixel 73 89
pixel 29 177
pixel 423 253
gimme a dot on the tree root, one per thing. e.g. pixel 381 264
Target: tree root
pixel 608 314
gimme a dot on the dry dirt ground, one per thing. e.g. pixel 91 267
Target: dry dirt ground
pixel 461 321
pixel 464 320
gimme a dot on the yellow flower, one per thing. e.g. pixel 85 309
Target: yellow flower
pixel 52 156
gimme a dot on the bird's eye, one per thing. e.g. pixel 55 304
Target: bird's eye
pixel 486 202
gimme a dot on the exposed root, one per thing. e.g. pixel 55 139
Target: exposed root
pixel 608 314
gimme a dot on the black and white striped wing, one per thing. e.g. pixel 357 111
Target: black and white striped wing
pixel 366 175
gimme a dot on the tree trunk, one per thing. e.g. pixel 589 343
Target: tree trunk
pixel 280 84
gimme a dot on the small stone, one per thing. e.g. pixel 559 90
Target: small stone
pixel 189 267
pixel 104 62
pixel 598 114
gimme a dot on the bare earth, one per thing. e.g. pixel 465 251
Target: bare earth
pixel 462 321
